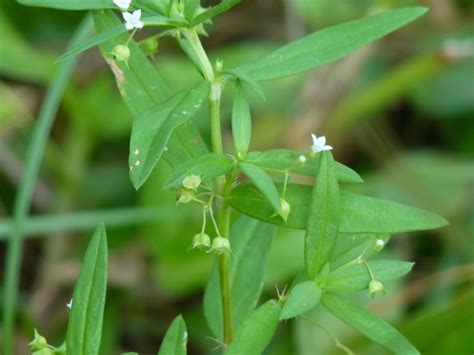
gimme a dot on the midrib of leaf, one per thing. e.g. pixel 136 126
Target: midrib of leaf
pixel 322 239
pixel 88 309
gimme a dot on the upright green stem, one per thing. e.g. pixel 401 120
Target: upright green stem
pixel 221 184
pixel 25 191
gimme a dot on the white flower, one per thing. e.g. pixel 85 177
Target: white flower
pixel 123 4
pixel 132 20
pixel 319 144
pixel 69 305
pixel 302 159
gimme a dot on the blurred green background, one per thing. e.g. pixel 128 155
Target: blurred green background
pixel 400 112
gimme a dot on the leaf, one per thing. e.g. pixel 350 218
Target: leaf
pixel 257 331
pixel 250 241
pixel 213 11
pixel 263 182
pixel 153 128
pixel 246 79
pixel 87 313
pixel 142 88
pixel 329 44
pixel 351 247
pixel 241 122
pixel 113 32
pixel 356 277
pixel 207 166
pixel 322 226
pixel 368 324
pixel 71 4
pixel 283 159
pixel 176 338
pixel 359 214
pixel 301 299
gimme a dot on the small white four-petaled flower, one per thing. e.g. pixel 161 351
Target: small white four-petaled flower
pixel 123 4
pixel 319 144
pixel 132 20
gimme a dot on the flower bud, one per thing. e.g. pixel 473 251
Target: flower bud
pixel 376 288
pixel 185 196
pixel 378 245
pixel 219 65
pixel 192 182
pixel 220 245
pixel 39 342
pixel 301 159
pixel 285 209
pixel 121 53
pixel 201 241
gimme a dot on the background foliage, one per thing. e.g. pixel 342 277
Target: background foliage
pixel 400 112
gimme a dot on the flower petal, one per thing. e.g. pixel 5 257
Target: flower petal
pixel 315 139
pixel 127 16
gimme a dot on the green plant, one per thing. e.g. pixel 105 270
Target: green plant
pixel 342 230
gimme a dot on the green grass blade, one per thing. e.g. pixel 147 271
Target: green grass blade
pixel 367 323
pixel 71 4
pixel 25 191
pixel 87 313
pixel 329 44
pixel 50 225
pixel 176 338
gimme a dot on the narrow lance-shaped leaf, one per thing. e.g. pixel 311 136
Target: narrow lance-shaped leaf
pixel 263 182
pixel 213 11
pixel 356 277
pixel 257 331
pixel 176 338
pixel 87 311
pixel 207 166
pixel 241 122
pixel 359 214
pixel 71 4
pixel 329 44
pixel 301 299
pixel 323 217
pixel 113 32
pixel 367 323
pixel 245 79
pixel 250 241
pixel 153 128
pixel 142 88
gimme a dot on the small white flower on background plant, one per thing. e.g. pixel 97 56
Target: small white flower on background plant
pixel 302 159
pixel 319 144
pixel 132 20
pixel 123 4
pixel 69 305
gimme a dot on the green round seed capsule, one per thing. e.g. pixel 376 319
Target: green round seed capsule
pixel 201 241
pixel 121 53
